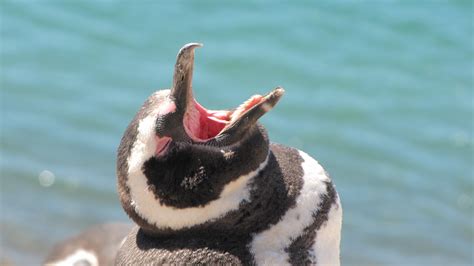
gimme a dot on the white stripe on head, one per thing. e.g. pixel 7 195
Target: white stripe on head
pixel 79 256
pixel 148 206
pixel 328 237
pixel 268 247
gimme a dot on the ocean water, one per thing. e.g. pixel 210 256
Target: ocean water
pixel 380 92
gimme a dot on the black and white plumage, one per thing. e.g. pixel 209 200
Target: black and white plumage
pixel 208 186
pixel 98 245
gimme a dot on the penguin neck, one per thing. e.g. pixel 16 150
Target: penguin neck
pixel 194 183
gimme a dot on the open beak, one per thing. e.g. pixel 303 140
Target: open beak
pixel 201 124
pixel 182 92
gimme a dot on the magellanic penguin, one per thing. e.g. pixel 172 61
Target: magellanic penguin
pixel 98 245
pixel 207 187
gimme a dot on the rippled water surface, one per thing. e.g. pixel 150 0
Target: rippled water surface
pixel 380 93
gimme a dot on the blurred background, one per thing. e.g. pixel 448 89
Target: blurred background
pixel 380 92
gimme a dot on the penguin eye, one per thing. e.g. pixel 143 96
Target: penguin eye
pixel 162 145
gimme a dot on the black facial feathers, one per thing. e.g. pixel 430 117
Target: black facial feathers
pixel 191 174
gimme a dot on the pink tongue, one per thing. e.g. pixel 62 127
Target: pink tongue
pixel 212 122
pixel 222 115
pixel 211 125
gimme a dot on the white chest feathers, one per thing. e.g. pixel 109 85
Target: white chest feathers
pixel 270 247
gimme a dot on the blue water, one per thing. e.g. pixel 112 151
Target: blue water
pixel 381 93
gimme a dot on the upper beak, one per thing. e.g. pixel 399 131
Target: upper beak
pixel 182 92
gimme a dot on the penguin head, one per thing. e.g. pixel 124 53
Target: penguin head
pixel 182 119
pixel 178 155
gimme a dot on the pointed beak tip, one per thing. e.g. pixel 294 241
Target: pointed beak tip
pixel 193 45
pixel 279 91
pixel 189 47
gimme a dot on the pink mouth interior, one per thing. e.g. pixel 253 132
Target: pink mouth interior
pixel 202 124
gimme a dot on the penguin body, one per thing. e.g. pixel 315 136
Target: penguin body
pixel 207 186
pixel 97 245
pixel 282 221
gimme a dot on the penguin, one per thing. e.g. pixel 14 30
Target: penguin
pixel 208 187
pixel 97 245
